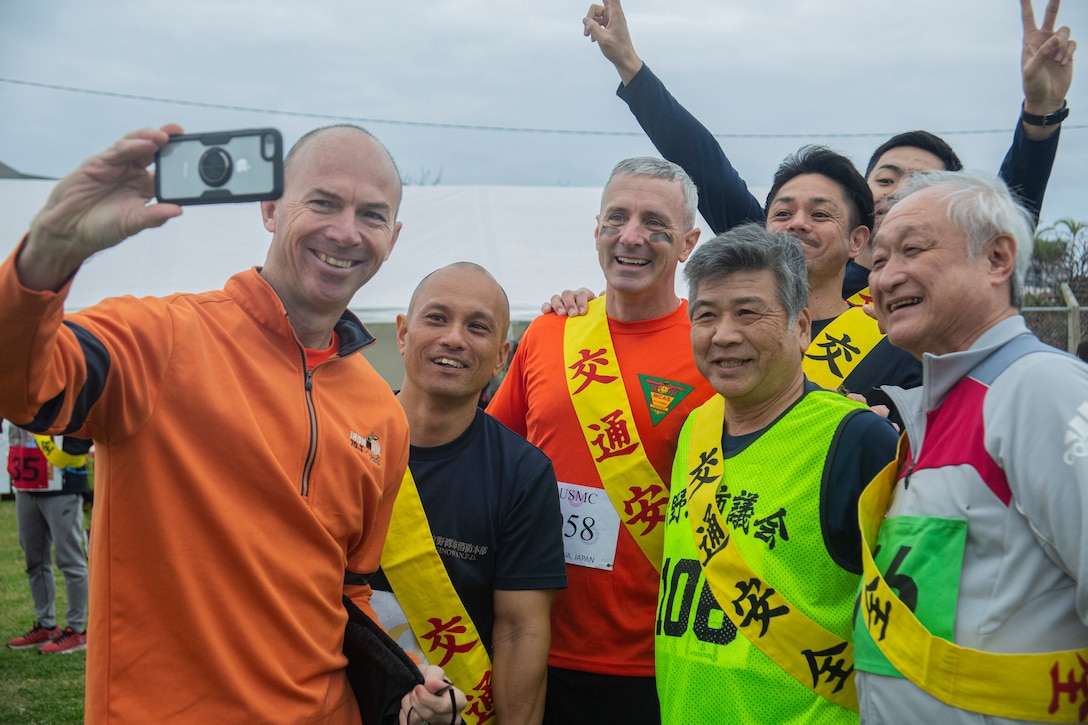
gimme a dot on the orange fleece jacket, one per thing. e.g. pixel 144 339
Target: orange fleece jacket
pixel 232 494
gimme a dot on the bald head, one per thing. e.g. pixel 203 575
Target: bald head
pixel 333 227
pixel 330 137
pixel 476 280
pixel 453 339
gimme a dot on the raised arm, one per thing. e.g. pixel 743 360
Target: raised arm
pixel 95 207
pixel 1047 70
pixel 724 199
pixel 1047 63
pixel 54 373
pixel 606 26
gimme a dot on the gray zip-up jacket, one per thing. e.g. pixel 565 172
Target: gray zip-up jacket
pixel 999 438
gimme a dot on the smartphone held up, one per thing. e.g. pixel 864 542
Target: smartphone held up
pixel 220 167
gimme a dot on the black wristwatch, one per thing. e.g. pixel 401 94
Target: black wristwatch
pixel 1050 119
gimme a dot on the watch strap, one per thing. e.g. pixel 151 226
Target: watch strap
pixel 1050 119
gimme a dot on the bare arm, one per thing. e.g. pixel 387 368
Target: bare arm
pixel 521 637
pixel 724 198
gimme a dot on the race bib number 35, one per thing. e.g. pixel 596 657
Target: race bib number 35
pixel 591 526
pixel 29 469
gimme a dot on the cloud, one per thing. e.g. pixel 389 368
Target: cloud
pixel 778 66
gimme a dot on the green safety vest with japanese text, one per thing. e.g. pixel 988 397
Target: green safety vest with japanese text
pixel 768 507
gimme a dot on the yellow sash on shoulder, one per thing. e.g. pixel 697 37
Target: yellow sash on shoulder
pixel 432 606
pixel 1039 687
pixel 797 641
pixel 836 351
pixel 55 455
pixel 605 416
pixel 860 298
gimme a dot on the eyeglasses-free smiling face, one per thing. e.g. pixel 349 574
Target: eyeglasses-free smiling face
pixel 453 338
pixel 929 293
pixel 743 342
pixel 335 224
pixel 813 208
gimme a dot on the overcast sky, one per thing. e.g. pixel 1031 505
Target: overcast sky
pixel 866 67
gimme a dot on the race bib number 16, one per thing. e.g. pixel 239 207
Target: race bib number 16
pixel 591 526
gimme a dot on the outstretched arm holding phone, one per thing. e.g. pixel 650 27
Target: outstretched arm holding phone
pixel 95 207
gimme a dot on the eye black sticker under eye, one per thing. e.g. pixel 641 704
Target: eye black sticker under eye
pixel 661 237
pixel 610 231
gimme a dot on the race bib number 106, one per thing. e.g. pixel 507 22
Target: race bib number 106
pixel 591 526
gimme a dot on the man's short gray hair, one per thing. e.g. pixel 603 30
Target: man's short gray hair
pixel 981 206
pixel 656 168
pixel 751 248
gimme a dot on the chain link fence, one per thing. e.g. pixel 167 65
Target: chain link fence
pixel 1062 327
pixel 1052 325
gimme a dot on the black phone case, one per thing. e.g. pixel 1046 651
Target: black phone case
pixel 177 167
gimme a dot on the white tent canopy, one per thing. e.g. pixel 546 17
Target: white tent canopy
pixel 536 241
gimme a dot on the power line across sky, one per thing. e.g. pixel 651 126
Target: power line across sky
pixel 466 126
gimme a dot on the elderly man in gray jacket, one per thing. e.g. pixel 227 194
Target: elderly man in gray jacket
pixel 974 603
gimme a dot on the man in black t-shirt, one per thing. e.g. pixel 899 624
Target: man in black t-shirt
pixel 475 547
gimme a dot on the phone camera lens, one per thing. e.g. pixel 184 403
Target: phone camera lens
pixel 215 167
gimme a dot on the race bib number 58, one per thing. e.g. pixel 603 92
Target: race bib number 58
pixel 591 526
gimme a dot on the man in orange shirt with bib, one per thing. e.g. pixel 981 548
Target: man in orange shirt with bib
pixel 605 395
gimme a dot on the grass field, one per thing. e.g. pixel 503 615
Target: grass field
pixel 33 688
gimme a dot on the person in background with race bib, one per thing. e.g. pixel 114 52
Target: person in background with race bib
pixel 762 554
pixel 976 539
pixel 604 396
pixel 474 553
pixel 49 483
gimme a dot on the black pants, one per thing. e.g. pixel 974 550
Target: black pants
pixel 588 698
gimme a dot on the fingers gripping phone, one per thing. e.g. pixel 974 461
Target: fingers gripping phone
pixel 220 167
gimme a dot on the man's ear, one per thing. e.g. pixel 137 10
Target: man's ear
pixel 504 351
pixel 1000 253
pixel 804 329
pixel 402 333
pixel 393 241
pixel 688 243
pixel 859 240
pixel 268 215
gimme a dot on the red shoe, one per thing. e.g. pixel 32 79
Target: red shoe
pixel 36 637
pixel 68 642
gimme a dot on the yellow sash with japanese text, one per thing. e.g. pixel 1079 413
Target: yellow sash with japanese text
pixel 1039 687
pixel 836 351
pixel 796 637
pixel 860 298
pixel 55 455
pixel 431 604
pixel 605 416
